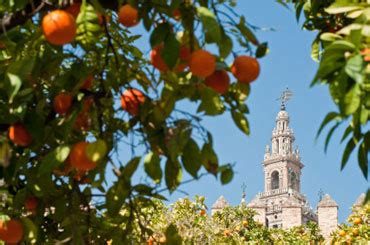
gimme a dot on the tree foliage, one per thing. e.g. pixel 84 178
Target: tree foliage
pixel 342 48
pixel 62 129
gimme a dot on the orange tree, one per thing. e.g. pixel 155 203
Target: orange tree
pixel 187 221
pixel 76 88
pixel 342 48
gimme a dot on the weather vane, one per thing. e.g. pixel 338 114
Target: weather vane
pixel 284 97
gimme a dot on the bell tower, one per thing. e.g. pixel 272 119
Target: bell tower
pixel 282 165
pixel 281 204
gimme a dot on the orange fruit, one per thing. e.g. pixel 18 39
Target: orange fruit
pixel 31 203
pixel 74 9
pixel 59 27
pixel 157 60
pixel 87 83
pixel 342 233
pixel 62 103
pixel 357 221
pixel 227 232
pixel 202 63
pixel 11 231
pixel 78 158
pixel 355 232
pixel 128 15
pixel 19 135
pixel 245 68
pixel 245 223
pixel 366 53
pixel 131 99
pixel 163 239
pixel 202 212
pixel 218 81
pixel 176 14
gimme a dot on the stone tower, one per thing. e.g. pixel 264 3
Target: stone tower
pixel 282 205
pixel 327 211
pixel 219 205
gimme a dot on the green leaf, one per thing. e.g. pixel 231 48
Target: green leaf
pixel 116 197
pixel 171 50
pixel 88 28
pixel 338 7
pixel 173 174
pixel 209 159
pixel 159 34
pixel 347 132
pixel 210 24
pixel 30 230
pixel 315 50
pixel 354 68
pixel 14 84
pixel 211 102
pixel 329 135
pixel 97 150
pixel 241 121
pixel 131 167
pixel 262 50
pixel 328 118
pixel 351 100
pixel 226 47
pixel 246 32
pixel 227 175
pixel 347 152
pixel 363 160
pixel 152 167
pixel 53 160
pixel 192 158
pixel 172 235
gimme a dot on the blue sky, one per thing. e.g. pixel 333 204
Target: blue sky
pixel 287 65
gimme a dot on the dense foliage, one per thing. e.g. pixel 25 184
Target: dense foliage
pixel 77 90
pixel 342 47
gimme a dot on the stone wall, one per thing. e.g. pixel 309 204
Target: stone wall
pixel 261 215
pixel 328 220
pixel 291 216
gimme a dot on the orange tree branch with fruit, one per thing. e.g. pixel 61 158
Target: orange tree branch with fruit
pixel 342 48
pixel 76 89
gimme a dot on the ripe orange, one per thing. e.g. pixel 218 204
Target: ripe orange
pixel 11 231
pixel 128 15
pixel 59 27
pixel 202 212
pixel 245 223
pixel 31 203
pixel 355 232
pixel 218 81
pixel 245 68
pixel 62 103
pixel 79 159
pixel 74 9
pixel 357 221
pixel 87 83
pixel 227 232
pixel 163 239
pixel 19 135
pixel 202 63
pixel 156 59
pixel 131 99
pixel 342 233
pixel 176 14
pixel 366 53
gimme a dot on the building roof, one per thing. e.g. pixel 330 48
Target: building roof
pixel 256 203
pixel 291 203
pixel 360 200
pixel 220 203
pixel 327 201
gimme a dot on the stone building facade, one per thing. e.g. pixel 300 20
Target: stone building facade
pixel 281 204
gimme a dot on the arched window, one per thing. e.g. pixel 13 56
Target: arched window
pixel 275 180
pixel 292 180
